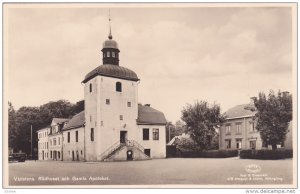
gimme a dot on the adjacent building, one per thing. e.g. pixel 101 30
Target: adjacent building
pixel 43 143
pixel 239 131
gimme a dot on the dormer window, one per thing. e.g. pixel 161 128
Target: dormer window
pixel 119 87
pixel 108 54
pixel 113 54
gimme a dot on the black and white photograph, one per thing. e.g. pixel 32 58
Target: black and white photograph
pixel 149 95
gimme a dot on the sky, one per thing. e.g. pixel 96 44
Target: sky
pixel 222 55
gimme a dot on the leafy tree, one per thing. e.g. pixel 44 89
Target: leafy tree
pixel 202 120
pixel 273 116
pixel 57 109
pixel 78 107
pixel 25 118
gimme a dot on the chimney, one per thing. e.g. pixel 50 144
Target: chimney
pixel 252 100
pixel 147 105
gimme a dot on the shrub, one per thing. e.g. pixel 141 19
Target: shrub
pixel 209 154
pixel 266 154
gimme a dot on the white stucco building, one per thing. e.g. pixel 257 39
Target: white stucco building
pixel 113 126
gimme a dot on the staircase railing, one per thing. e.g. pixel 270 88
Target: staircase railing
pixel 133 143
pixel 110 150
pixel 117 145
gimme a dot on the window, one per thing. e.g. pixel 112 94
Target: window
pixel 113 54
pixel 47 146
pixel 101 123
pixel 228 143
pixel 227 129
pixel 68 137
pixel 252 127
pixel 252 144
pixel 155 134
pixel 121 117
pixel 238 143
pixel 50 142
pixel 238 128
pixel 119 87
pixel 92 134
pixel 147 152
pixel 54 141
pixel 76 136
pixel 108 54
pixel 129 104
pixel 108 101
pixel 145 134
pixel 81 152
pixel 91 87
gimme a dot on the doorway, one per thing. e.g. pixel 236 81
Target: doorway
pixel 73 157
pixel 123 136
pixel 129 155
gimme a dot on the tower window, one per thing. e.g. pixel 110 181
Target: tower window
pixel 91 88
pixel 108 54
pixel 121 117
pixel 108 101
pixel 119 87
pixel 113 54
pixel 92 134
pixel 129 104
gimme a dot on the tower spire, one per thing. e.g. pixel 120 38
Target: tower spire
pixel 109 19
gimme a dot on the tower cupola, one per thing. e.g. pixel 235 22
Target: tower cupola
pixel 110 50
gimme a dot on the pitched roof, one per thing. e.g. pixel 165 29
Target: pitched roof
pixel 150 116
pixel 76 121
pixel 243 110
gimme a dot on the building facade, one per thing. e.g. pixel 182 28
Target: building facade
pixel 239 130
pixel 43 145
pixel 55 138
pixel 113 125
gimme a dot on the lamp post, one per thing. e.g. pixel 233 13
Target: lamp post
pixel 31 141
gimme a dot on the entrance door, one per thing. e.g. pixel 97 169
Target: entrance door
pixel 73 157
pixel 123 136
pixel 129 155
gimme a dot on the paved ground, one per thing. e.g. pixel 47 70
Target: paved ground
pixel 198 171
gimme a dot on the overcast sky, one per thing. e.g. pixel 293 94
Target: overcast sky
pixel 218 54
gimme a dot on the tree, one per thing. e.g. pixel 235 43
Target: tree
pixel 56 109
pixel 273 116
pixel 202 120
pixel 78 107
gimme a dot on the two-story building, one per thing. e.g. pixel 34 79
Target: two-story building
pixel 239 130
